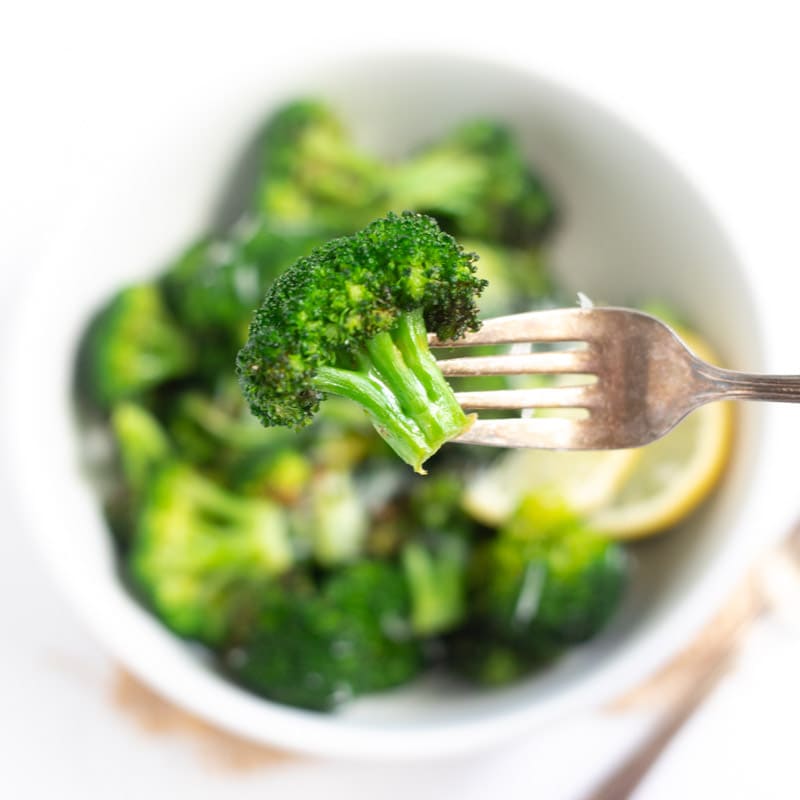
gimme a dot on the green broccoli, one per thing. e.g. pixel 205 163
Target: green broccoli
pixel 351 319
pixel 436 571
pixel 216 282
pixel 547 579
pixel 197 548
pixel 134 345
pixel 476 183
pixel 313 174
pixel 318 647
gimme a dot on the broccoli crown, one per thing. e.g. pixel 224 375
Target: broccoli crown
pixel 324 309
pixel 316 648
pixel 216 282
pixel 547 578
pixel 476 182
pixel 133 345
pixel 197 548
pixel 314 174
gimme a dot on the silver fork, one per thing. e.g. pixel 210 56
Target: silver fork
pixel 647 380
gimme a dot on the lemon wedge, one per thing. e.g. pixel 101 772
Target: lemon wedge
pixel 673 475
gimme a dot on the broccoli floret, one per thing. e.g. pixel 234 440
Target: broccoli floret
pixel 133 345
pixel 476 183
pixel 352 319
pixel 197 547
pixel 547 578
pixel 436 572
pixel 215 284
pixel 318 647
pixel 314 175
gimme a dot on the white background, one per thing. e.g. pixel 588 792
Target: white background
pixel 717 85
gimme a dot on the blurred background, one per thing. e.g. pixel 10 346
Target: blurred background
pixel 714 87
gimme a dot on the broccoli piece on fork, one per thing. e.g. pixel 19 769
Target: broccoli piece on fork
pixel 352 319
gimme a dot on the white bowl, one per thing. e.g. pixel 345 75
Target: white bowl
pixel 634 229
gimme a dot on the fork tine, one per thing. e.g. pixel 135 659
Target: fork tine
pixel 553 325
pixel 550 433
pixel 559 397
pixel 575 361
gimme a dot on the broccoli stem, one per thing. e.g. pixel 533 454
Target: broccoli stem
pixel 403 391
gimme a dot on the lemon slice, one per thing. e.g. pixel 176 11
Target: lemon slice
pixel 585 480
pixel 673 475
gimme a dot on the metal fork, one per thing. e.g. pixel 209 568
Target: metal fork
pixel 647 380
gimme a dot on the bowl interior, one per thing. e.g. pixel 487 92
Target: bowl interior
pixel 634 229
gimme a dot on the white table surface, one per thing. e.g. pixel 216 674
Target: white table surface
pixel 714 86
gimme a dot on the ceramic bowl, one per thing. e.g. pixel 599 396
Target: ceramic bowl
pixel 634 229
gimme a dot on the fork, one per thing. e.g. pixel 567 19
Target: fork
pixel 647 380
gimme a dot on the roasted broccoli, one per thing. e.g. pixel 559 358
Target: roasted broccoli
pixel 133 345
pixel 476 183
pixel 475 180
pixel 314 175
pixel 547 579
pixel 197 547
pixel 215 284
pixel 317 647
pixel 352 319
pixel 282 532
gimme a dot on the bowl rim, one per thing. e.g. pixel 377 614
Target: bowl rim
pixel 127 630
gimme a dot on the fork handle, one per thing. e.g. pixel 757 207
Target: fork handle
pixel 719 384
